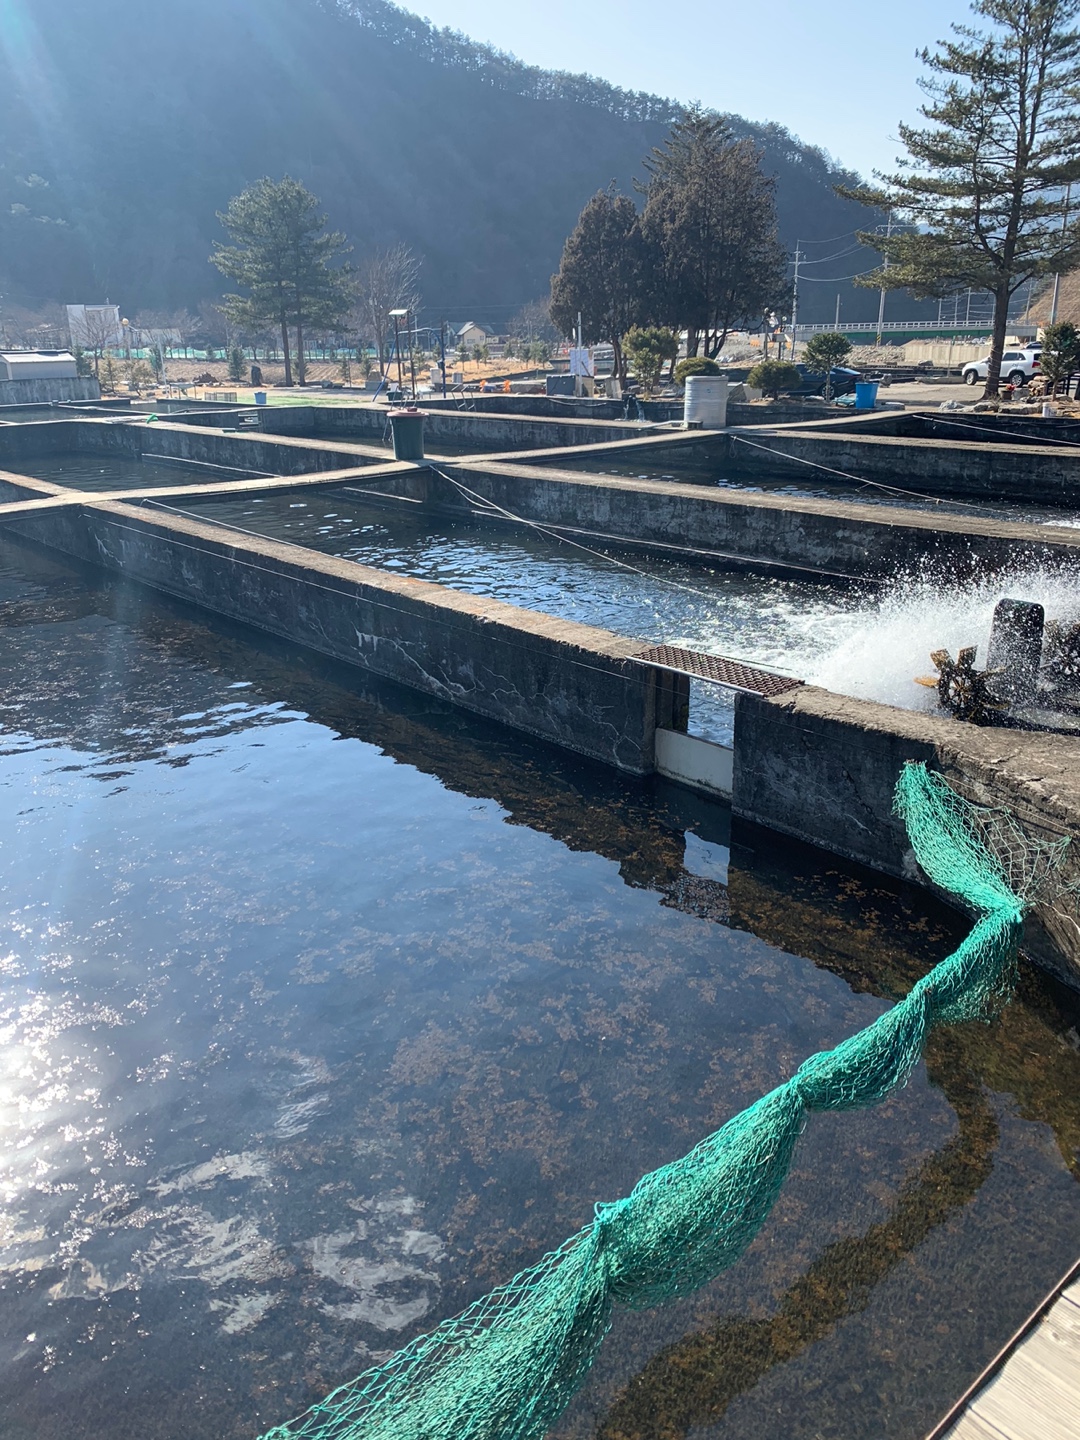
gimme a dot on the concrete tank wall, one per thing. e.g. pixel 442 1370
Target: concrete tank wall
pixel 826 535
pixel 48 391
pixel 210 447
pixel 459 426
pixel 823 767
pixel 567 683
pixel 1025 473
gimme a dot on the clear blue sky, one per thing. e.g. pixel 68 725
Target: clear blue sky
pixel 838 75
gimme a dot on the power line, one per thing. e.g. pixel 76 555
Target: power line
pixel 830 240
pixel 835 279
pixel 840 254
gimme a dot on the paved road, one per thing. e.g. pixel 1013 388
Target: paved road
pixel 931 393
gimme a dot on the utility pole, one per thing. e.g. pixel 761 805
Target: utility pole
pixel 881 297
pixel 795 300
pixel 442 352
pixel 1057 278
pixel 836 323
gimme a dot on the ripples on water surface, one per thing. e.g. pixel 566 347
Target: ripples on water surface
pixel 870 644
pixel 105 470
pixel 324 1009
pixel 784 623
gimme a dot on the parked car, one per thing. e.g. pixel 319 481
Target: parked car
pixel 1017 366
pixel 813 381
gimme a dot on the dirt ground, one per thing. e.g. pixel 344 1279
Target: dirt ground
pixel 318 371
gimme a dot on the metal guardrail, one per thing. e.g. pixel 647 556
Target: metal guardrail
pixel 927 327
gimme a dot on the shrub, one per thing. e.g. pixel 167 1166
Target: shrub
pixel 772 376
pixel 695 365
pixel 824 351
pixel 139 374
pixel 647 349
pixel 109 374
pixel 237 364
pixel 1060 354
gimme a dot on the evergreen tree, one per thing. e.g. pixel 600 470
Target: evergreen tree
pixel 283 257
pixel 647 349
pixel 826 349
pixel 602 274
pixel 1060 354
pixel 710 218
pixel 984 186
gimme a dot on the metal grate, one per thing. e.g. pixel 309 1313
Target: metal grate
pixel 719 669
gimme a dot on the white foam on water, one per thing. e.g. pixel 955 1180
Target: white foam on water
pixel 875 651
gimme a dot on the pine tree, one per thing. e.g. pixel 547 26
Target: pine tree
pixel 710 218
pixel 983 187
pixel 602 275
pixel 826 349
pixel 284 257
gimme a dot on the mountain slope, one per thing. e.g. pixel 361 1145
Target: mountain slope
pixel 143 120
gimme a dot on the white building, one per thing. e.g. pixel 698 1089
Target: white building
pixel 37 365
pixel 95 327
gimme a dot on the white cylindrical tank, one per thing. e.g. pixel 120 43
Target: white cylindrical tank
pixel 705 404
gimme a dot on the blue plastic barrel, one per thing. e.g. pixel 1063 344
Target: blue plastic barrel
pixel 865 394
pixel 260 397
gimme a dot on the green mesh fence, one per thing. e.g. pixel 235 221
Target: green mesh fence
pixel 505 1368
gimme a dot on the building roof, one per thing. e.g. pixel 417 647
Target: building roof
pixel 36 357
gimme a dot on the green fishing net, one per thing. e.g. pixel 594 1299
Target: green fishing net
pixel 505 1368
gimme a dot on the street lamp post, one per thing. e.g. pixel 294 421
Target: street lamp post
pixel 396 316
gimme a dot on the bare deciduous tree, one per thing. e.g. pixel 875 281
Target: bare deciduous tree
pixel 533 322
pixel 385 280
pixel 96 334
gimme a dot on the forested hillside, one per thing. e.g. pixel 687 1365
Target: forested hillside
pixel 125 126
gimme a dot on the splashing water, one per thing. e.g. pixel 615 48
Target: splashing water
pixel 875 651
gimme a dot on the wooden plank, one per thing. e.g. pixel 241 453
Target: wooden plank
pixel 971 1426
pixel 1031 1389
pixel 1036 1396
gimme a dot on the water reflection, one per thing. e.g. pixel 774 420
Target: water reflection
pixel 325 1007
